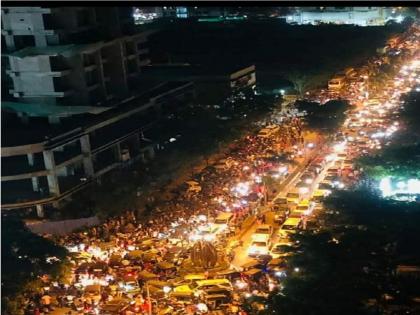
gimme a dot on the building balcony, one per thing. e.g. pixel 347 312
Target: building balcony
pixel 144 62
pixel 93 86
pixel 90 67
pixel 52 73
pixel 130 57
pixel 17 93
pixel 143 51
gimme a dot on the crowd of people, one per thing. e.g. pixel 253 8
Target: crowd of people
pixel 137 250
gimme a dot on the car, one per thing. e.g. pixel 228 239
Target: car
pixel 281 214
pixel 303 184
pixel 318 195
pixel 280 201
pixel 331 179
pixel 223 220
pixel 293 196
pixel 347 164
pixel 308 177
pixel 259 246
pixel 325 187
pixel 290 226
pixel 200 286
pixel 342 156
pixel 116 306
pixel 316 168
pixel 281 249
pixel 296 214
pixel 263 229
pixel 332 170
pixel 305 207
pixel 279 218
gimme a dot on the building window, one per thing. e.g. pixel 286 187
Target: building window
pixel 60 84
pixel 142 45
pixel 88 60
pixel 132 66
pixel 83 18
pixel 181 12
pixel 57 63
pixel 48 22
pixel 129 48
pixel 23 41
pixel 91 77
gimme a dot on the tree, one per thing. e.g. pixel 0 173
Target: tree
pixel 24 258
pixel 325 118
pixel 300 82
pixel 399 161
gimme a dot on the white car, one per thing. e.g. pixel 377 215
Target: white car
pixel 263 229
pixel 259 246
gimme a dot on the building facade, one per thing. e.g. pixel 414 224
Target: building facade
pixel 78 106
pixel 89 74
pixel 40 27
pixel 362 16
pixel 40 172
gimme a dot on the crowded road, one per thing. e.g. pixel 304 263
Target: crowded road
pixel 218 241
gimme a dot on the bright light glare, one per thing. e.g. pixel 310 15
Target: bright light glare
pixel 399 19
pixel 303 190
pixel 413 186
pixel 385 186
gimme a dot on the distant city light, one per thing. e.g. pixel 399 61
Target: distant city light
pixel 399 19
pixel 408 187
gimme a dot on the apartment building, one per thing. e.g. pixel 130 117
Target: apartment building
pixel 78 106
pixel 81 74
pixel 362 16
pixel 40 27
pixel 43 164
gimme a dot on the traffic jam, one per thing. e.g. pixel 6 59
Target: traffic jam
pixel 221 241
